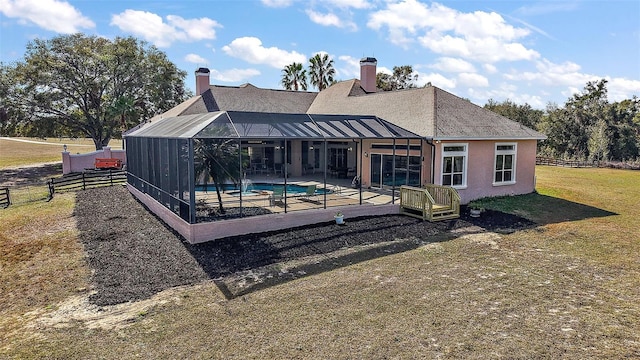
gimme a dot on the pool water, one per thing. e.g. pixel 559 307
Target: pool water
pixel 255 188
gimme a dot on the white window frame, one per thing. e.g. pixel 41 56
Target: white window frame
pixel 514 153
pixel 465 156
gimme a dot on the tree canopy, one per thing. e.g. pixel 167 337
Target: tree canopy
pixel 294 77
pixel 524 114
pixel 403 77
pixel 588 126
pixel 321 71
pixel 90 85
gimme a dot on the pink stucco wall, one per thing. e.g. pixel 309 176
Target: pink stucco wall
pixel 79 162
pixel 480 169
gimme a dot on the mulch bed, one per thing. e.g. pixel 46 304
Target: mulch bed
pixel 133 255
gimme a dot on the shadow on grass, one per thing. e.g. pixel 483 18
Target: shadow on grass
pixel 544 209
pixel 243 264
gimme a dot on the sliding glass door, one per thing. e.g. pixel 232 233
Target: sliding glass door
pixel 406 173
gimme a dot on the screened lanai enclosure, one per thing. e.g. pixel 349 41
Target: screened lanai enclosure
pixel 229 164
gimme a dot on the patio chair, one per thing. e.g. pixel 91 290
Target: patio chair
pixel 311 193
pixel 278 169
pixel 277 196
pixel 309 169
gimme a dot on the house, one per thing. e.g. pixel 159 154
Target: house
pixel 472 149
pixel 348 136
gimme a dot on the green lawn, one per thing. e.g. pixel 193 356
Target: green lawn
pixel 20 153
pixel 569 289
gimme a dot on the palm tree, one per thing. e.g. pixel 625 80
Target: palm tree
pixel 294 77
pixel 218 160
pixel 124 107
pixel 321 71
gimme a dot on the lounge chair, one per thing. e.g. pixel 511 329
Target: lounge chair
pixel 311 193
pixel 277 196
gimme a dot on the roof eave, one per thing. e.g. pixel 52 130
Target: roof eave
pixel 487 138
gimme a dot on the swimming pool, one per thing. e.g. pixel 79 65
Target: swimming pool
pixel 256 188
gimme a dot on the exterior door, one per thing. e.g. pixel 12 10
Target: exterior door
pixel 381 170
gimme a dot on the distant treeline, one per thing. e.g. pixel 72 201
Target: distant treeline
pixel 587 128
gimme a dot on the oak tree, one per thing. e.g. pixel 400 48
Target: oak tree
pixel 95 86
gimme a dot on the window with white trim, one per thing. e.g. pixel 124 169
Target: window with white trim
pixel 505 164
pixel 454 165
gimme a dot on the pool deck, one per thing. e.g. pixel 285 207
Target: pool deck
pixel 340 193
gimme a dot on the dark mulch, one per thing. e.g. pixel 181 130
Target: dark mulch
pixel 133 255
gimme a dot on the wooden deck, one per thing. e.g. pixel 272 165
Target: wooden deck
pixel 431 203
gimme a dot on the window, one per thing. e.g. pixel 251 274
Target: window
pixel 505 166
pixel 398 147
pixel 454 165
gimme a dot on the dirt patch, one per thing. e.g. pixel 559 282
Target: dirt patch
pixel 134 256
pixel 80 309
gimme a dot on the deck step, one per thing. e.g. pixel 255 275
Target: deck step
pixel 433 202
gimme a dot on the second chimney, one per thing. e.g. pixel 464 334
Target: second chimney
pixel 202 80
pixel 368 74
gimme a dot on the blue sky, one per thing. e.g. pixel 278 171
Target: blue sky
pixel 527 51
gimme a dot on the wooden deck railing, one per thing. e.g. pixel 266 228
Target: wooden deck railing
pixel 434 202
pixel 5 198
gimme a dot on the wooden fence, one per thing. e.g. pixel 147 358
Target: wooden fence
pixel 540 160
pixel 85 180
pixel 5 198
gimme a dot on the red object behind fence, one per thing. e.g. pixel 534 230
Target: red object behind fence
pixel 108 163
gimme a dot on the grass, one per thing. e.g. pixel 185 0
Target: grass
pixel 567 289
pixel 40 257
pixel 20 153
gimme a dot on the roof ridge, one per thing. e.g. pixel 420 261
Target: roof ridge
pixel 246 85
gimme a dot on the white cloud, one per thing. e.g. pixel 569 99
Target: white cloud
pixel 330 19
pixel 195 59
pixel 619 89
pixel 351 69
pixel 384 70
pixel 455 65
pixel 503 92
pixel 472 80
pixel 195 29
pixel 480 36
pixel 250 49
pixel 488 49
pixel 323 19
pixel 234 75
pixel 436 80
pixel 277 3
pixel 344 4
pixel 154 29
pixel 53 15
pixel 491 69
pixel 551 74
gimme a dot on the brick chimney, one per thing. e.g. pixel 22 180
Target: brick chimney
pixel 202 80
pixel 368 74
